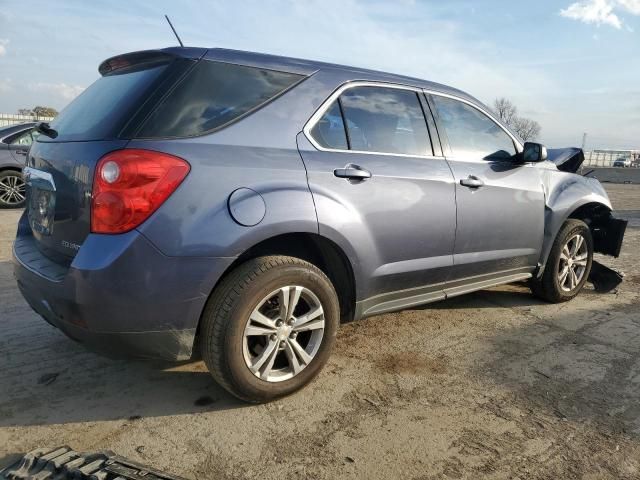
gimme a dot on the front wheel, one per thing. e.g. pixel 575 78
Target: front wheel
pixel 568 265
pixel 269 327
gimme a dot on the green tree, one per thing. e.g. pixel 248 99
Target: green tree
pixel 41 111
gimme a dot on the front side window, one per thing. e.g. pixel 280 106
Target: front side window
pixel 471 133
pixel 386 120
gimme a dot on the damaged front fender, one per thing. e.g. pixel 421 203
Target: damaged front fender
pixel 568 195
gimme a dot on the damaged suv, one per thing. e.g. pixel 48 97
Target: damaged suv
pixel 244 205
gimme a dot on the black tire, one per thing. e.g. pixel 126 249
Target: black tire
pixel 6 200
pixel 548 286
pixel 227 313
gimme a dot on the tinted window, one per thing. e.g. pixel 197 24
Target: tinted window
pixel 388 120
pixel 102 108
pixel 471 133
pixel 212 95
pixel 22 138
pixel 329 131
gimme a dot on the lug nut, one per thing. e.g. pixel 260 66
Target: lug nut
pixel 293 335
pixel 282 343
pixel 273 336
pixel 291 322
pixel 279 323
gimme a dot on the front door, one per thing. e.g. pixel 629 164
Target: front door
pixel 500 200
pixel 379 188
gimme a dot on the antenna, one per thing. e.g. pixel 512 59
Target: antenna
pixel 174 31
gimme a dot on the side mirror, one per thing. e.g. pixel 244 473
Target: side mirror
pixel 534 152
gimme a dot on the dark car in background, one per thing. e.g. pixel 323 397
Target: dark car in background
pixel 243 205
pixel 15 141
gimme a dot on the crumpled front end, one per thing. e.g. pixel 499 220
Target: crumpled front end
pixel 566 159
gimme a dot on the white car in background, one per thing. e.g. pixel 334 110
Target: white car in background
pixel 622 162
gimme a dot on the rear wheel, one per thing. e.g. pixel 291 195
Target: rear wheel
pixel 269 327
pixel 568 265
pixel 12 189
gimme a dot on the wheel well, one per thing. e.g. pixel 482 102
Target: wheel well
pixel 607 232
pixel 13 169
pixel 591 213
pixel 315 249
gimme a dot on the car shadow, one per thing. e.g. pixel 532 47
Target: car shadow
pixel 46 378
pixel 70 384
pixel 513 295
pixel 573 362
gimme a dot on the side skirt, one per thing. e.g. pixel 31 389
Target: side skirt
pixel 403 299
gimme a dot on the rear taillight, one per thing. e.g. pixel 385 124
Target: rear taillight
pixel 130 185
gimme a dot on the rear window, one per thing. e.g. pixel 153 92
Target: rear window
pixel 212 95
pixel 100 111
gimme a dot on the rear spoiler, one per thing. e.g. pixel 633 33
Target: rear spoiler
pixel 149 57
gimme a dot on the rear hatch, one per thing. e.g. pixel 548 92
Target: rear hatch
pixel 61 169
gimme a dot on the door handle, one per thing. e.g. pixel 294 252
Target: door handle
pixel 352 172
pixel 22 152
pixel 472 182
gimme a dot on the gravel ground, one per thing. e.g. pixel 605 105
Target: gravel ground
pixel 491 385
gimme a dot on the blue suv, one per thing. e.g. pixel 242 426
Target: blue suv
pixel 242 205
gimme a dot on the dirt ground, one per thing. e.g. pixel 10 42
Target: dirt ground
pixel 491 385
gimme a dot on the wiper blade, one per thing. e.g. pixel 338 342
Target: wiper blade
pixel 45 129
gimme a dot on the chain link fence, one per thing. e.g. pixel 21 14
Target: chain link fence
pixel 612 158
pixel 7 119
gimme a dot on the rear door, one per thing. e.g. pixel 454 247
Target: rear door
pixel 500 214
pixel 379 186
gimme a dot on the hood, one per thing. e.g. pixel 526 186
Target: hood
pixel 566 159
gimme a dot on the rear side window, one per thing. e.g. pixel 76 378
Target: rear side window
pixel 329 132
pixel 471 133
pixel 212 95
pixel 375 119
pixel 387 120
pixel 101 110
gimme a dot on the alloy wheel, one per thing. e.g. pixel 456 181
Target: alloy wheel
pixel 283 333
pixel 12 190
pixel 573 263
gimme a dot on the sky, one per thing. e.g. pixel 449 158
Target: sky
pixel 573 66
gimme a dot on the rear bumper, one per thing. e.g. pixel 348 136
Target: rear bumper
pixel 120 296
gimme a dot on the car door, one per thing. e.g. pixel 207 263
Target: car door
pixel 500 200
pixel 381 193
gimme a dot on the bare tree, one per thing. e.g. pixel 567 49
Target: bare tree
pixel 526 128
pixel 506 110
pixel 25 111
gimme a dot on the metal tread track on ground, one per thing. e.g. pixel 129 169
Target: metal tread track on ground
pixel 63 463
